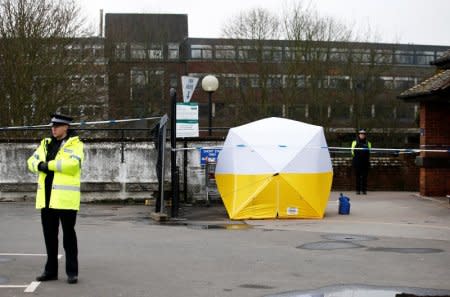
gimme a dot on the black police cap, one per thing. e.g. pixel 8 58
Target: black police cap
pixel 61 119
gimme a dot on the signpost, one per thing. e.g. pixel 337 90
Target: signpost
pixel 187 120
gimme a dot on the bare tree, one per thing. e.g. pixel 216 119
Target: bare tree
pixel 254 24
pixel 365 65
pixel 312 57
pixel 250 32
pixel 330 74
pixel 41 66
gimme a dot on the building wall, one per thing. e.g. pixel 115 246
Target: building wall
pixel 117 171
pixel 388 173
pixel 435 127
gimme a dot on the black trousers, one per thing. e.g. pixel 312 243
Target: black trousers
pixel 361 179
pixel 50 225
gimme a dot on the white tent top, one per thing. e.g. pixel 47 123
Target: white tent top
pixel 274 145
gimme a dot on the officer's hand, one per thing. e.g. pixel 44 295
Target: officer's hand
pixel 43 166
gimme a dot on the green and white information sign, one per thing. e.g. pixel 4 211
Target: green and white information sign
pixel 187 119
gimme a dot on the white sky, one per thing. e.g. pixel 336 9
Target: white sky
pixel 396 21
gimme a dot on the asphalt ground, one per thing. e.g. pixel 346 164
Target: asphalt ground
pixel 389 240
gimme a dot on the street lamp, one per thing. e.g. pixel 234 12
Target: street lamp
pixel 210 85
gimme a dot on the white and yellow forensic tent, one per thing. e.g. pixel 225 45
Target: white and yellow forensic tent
pixel 274 168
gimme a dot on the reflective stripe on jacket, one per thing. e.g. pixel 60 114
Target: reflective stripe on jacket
pixel 65 192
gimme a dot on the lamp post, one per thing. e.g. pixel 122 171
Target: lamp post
pixel 210 85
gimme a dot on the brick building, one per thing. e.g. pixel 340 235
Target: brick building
pixel 314 82
pixel 434 97
pixel 338 85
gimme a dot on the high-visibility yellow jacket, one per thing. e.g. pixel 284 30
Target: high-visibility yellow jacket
pixel 354 145
pixel 65 192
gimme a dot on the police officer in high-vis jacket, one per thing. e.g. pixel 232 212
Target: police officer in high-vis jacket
pixel 57 161
pixel 361 160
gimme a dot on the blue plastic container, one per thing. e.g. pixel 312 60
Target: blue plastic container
pixel 344 205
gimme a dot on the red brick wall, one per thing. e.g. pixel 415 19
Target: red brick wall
pixel 435 125
pixel 434 181
pixel 391 173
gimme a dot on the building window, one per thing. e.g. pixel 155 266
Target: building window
pixel 362 55
pixel 75 81
pixel 403 83
pixel 137 51
pixel 243 82
pixel 299 111
pixel 138 77
pixel 339 82
pixel 316 54
pixel 87 81
pixel 173 51
pixel 247 53
pixel 293 54
pixel 272 53
pixel 383 56
pixel 88 51
pixel 301 82
pixel 155 52
pixel 337 55
pixel 121 51
pixel 388 81
pixel 424 57
pixel 226 52
pixel 201 51
pixel 440 53
pixel 74 50
pixel 229 81
pixel 275 82
pixel 99 51
pixel 404 57
pixel 254 81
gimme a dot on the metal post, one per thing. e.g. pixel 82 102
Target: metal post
pixel 173 153
pixel 185 178
pixel 159 139
pixel 161 193
pixel 122 146
pixel 209 113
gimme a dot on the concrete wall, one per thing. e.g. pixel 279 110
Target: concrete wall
pixel 110 171
pixel 126 170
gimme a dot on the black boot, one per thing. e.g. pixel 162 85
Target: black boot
pixel 46 277
pixel 72 279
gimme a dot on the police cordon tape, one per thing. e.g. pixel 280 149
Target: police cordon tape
pixel 82 123
pixel 407 150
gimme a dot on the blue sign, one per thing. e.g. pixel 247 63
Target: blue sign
pixel 208 154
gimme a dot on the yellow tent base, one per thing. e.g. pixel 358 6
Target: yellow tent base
pixel 266 196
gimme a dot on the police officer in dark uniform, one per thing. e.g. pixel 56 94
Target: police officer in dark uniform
pixel 361 161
